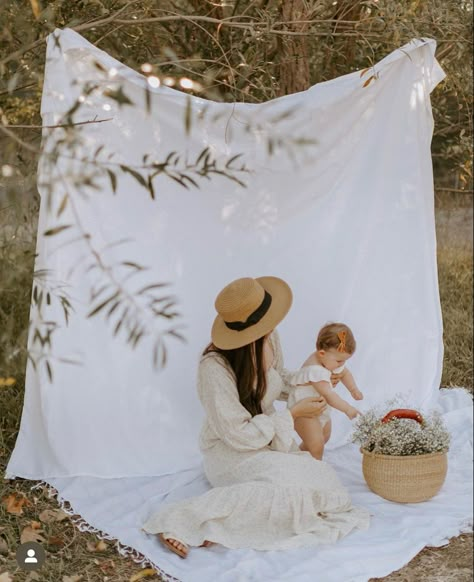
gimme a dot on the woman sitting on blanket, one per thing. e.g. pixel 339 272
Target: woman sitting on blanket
pixel 267 493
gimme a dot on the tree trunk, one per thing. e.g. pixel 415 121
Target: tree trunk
pixel 294 63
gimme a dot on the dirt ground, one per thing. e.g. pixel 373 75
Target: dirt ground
pixel 451 563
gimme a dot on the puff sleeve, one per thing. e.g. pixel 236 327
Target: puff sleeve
pixel 313 373
pixel 230 420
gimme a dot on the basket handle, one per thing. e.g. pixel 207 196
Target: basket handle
pixel 403 413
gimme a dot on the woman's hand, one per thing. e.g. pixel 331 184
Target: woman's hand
pixel 336 378
pixel 309 407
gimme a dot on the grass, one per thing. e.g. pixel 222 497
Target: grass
pixel 455 282
pixel 71 553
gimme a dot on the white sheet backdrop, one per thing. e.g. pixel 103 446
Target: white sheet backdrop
pixel 348 222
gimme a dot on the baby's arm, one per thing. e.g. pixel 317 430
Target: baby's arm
pixel 348 380
pixel 325 389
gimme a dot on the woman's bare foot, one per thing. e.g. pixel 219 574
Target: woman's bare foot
pixel 183 548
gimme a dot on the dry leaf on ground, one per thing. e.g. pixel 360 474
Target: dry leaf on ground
pixel 31 535
pixel 100 546
pixel 107 567
pixel 52 515
pixel 55 541
pixel 3 547
pixel 6 577
pixel 143 574
pixel 35 525
pixel 75 578
pixel 14 503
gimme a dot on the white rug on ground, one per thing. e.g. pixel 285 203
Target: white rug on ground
pixel 348 221
pixel 397 532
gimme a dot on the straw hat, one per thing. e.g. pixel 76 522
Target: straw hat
pixel 248 309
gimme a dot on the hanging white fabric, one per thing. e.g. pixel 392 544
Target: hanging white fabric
pixel 347 221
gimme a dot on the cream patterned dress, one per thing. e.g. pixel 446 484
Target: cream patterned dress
pixel 267 494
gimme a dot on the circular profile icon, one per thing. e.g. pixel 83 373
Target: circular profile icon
pixel 30 556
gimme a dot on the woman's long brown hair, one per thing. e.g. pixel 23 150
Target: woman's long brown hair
pixel 248 366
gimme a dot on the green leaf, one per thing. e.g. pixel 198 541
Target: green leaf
pixel 132 264
pixel 28 355
pixel 95 294
pixel 153 286
pixel 100 66
pixel 177 335
pixel 113 180
pixel 103 304
pixel 56 230
pixel 193 182
pixel 69 361
pixel 232 159
pixel 179 180
pixel 120 322
pixel 62 206
pixel 159 349
pixel 66 314
pixel 49 370
pixel 188 113
pixel 119 96
pixel 112 309
pixel 138 177
pixel 151 188
pixel 202 154
pixel 147 99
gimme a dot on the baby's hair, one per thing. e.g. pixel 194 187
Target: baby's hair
pixel 328 337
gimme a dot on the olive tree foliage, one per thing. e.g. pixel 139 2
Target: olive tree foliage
pixel 223 50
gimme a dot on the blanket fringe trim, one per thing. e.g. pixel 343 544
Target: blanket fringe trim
pixel 83 526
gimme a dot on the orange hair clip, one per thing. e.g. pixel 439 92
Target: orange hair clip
pixel 342 339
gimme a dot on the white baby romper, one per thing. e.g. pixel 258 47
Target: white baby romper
pixel 313 373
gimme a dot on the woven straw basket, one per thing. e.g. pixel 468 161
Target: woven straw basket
pixel 407 479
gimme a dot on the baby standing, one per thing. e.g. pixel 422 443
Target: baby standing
pixel 334 346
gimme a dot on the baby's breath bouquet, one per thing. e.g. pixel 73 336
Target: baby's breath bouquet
pixel 404 452
pixel 400 436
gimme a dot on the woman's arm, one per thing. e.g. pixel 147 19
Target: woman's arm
pixel 278 365
pixel 334 400
pixel 230 420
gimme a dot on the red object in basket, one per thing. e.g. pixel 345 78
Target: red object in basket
pixel 403 413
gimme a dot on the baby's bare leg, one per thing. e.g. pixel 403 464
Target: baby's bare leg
pixel 327 431
pixel 311 432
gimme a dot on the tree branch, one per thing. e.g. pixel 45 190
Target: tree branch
pixel 252 26
pixel 59 125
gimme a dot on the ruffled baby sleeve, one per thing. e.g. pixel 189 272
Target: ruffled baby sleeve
pixel 230 420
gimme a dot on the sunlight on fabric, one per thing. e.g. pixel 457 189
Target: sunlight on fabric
pixel 417 95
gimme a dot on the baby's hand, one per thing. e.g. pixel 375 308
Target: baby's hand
pixel 357 394
pixel 352 412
